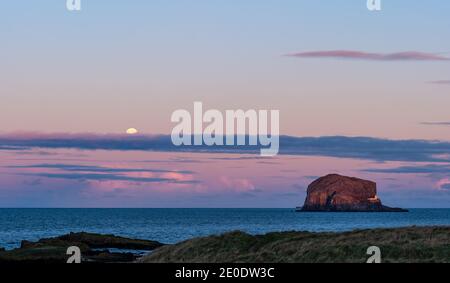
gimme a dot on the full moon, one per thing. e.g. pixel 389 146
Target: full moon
pixel 132 131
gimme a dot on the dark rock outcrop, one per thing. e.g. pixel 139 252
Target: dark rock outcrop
pixel 346 194
pixel 94 248
pixel 95 241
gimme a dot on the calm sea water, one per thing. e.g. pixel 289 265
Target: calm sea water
pixel 173 225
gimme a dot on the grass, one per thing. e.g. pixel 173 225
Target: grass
pixel 409 244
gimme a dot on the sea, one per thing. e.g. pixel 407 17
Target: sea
pixel 174 225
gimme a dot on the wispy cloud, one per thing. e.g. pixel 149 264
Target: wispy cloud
pixel 361 55
pixel 99 169
pixel 436 123
pixel 99 173
pixel 12 148
pixel 237 158
pixel 443 184
pixel 418 169
pixel 440 82
pixel 106 177
pixel 445 187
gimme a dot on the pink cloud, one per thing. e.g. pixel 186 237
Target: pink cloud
pixel 178 177
pixel 360 55
pixel 239 185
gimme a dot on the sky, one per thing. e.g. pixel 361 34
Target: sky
pixel 332 68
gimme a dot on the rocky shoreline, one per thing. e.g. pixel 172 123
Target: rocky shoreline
pixel 96 248
pixel 409 244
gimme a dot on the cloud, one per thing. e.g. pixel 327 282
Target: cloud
pixel 99 173
pixel 243 185
pixel 330 146
pixel 105 177
pixel 172 160
pixel 419 169
pixel 445 187
pixel 436 123
pixel 241 158
pixel 361 55
pixel 99 169
pixel 367 148
pixel 443 184
pixel 440 82
pixel 12 148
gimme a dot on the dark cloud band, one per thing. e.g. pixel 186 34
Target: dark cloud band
pixel 361 55
pixel 332 146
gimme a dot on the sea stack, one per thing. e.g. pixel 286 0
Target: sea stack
pixel 344 194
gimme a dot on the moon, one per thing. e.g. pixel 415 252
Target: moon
pixel 132 131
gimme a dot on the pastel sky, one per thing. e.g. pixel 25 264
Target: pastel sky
pixel 332 68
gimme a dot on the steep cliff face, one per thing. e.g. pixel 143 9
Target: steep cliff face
pixel 340 193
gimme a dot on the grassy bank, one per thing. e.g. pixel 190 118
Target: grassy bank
pixel 411 244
